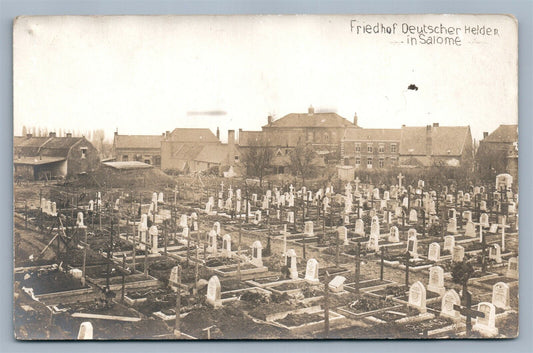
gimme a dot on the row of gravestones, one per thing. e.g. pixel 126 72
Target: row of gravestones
pixel 485 325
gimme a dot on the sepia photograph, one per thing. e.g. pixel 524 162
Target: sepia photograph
pixel 265 177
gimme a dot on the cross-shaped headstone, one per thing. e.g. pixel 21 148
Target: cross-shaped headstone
pixel 400 177
pixel 468 312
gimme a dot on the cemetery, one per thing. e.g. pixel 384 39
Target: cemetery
pixel 239 260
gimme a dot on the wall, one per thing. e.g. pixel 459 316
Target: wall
pixel 76 164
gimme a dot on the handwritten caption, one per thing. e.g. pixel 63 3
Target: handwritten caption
pixel 424 34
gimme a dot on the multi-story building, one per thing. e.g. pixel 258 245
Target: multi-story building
pixel 498 152
pixel 371 148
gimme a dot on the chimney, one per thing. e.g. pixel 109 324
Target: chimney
pixel 52 134
pixel 355 119
pixel 167 133
pixel 485 134
pixel 269 119
pixel 239 137
pixel 311 110
pixel 403 125
pixel 218 133
pixel 69 134
pixel 28 136
pixel 429 141
pixel 231 147
pixel 116 132
pixel 435 124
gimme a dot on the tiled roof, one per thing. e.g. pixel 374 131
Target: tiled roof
pixel 311 120
pixel 213 154
pixel 372 135
pixel 193 135
pixel 504 133
pixel 138 141
pixel 45 146
pixel 446 140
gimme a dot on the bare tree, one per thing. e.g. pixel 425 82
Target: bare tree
pixel 257 158
pixel 302 157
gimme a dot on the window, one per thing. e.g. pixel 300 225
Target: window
pixel 381 162
pixel 381 148
pixel 83 152
pixel 358 147
pixel 369 163
pixel 147 161
pixel 369 148
pixel 393 148
pixel 236 158
pixel 393 160
pixel 357 162
pixel 125 158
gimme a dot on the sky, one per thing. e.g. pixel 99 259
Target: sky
pixel 149 74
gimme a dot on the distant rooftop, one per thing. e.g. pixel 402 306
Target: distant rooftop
pixel 128 165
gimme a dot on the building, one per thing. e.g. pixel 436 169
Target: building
pixel 371 148
pixel 322 131
pixel 140 148
pixel 197 150
pixel 46 158
pixel 498 152
pixel 435 145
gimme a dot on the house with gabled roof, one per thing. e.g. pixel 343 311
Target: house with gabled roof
pixel 435 145
pixel 191 150
pixel 140 148
pixel 52 157
pixel 498 152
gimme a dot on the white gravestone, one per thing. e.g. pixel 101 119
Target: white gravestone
pixel 458 253
pixel 436 280
pixel 291 263
pixel 500 295
pixel 452 226
pixel 450 299
pixel 311 271
pixel 86 331
pixel 449 243
pixel 394 235
pixel 512 268
pixel 154 235
pixel 226 245
pixel 412 245
pixel 213 292
pixel 79 220
pixel 413 216
pixel 342 233
pixel 486 325
pixel 434 252
pixel 495 253
pixel 359 227
pixel 470 230
pixel 257 253
pixel 308 228
pixel 417 296
pixel 336 285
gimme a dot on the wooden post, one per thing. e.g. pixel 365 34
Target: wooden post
pixel 357 268
pixel 123 276
pixel 134 247
pixel 326 306
pixel 407 264
pixel 177 331
pixel 382 263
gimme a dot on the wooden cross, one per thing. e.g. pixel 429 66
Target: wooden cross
pixel 468 312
